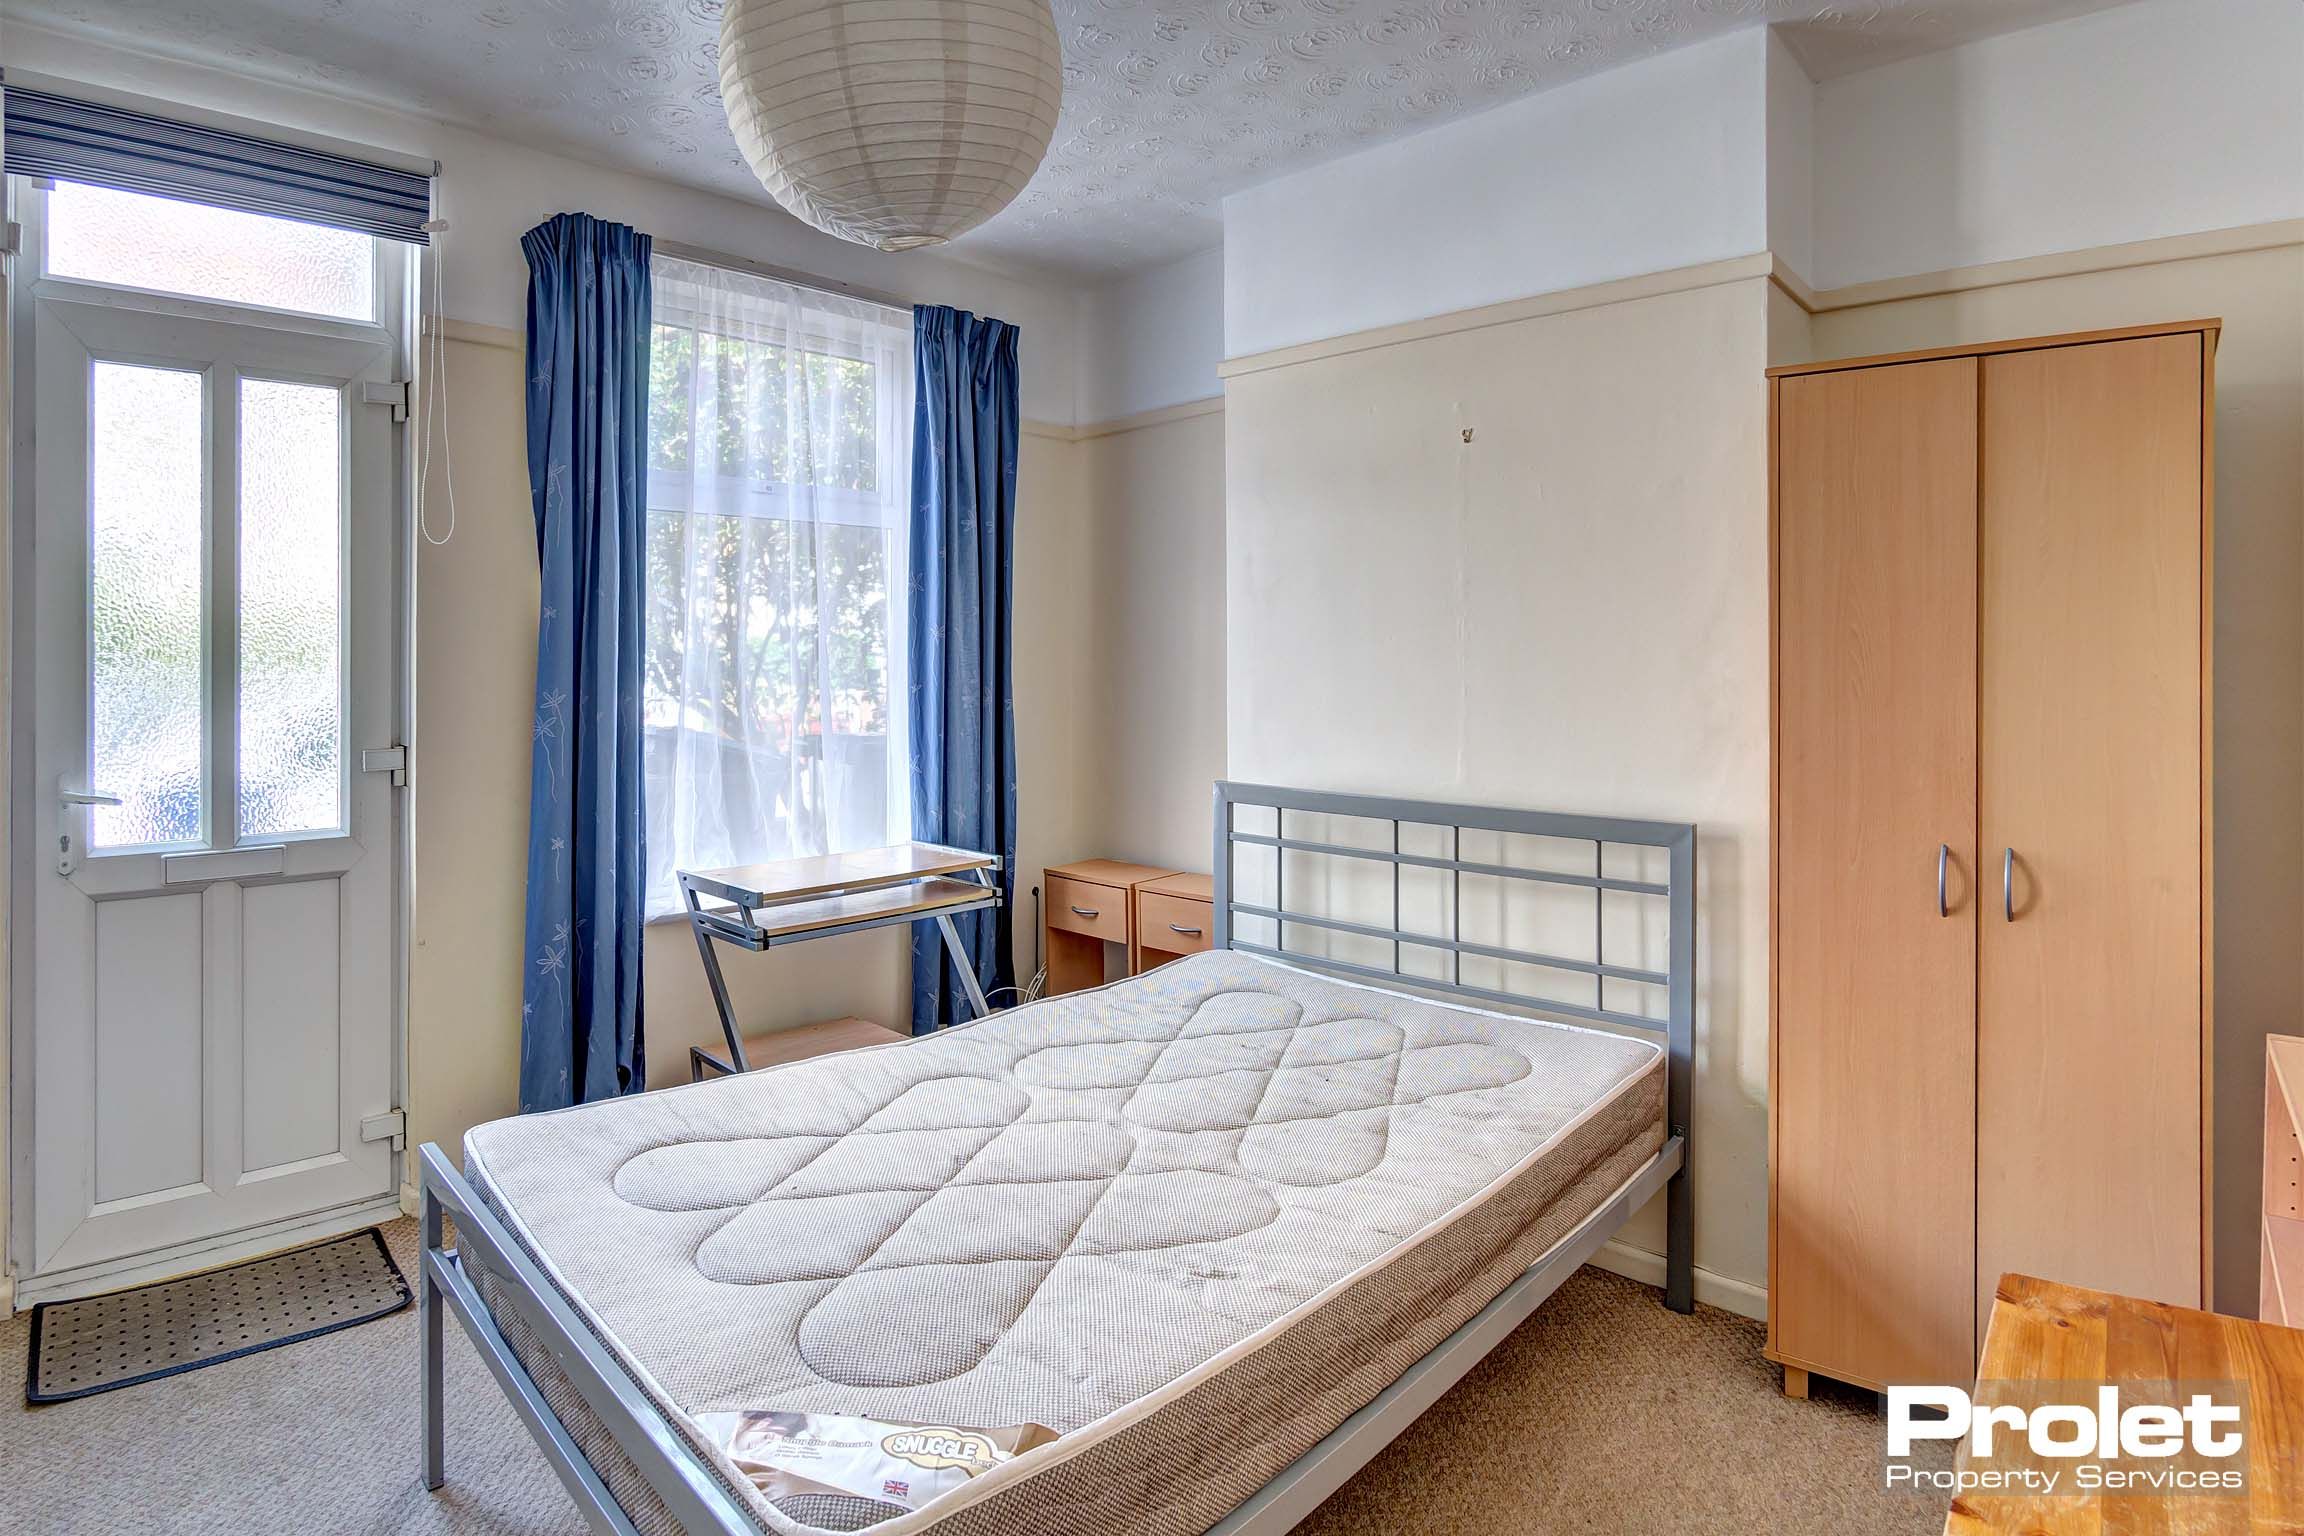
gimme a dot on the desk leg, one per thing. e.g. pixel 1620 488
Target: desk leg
pixel 965 965
pixel 719 984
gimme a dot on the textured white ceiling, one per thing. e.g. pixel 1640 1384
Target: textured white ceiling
pixel 1169 104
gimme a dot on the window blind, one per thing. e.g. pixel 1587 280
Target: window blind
pixel 134 151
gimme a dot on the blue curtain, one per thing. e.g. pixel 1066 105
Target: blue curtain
pixel 588 333
pixel 964 428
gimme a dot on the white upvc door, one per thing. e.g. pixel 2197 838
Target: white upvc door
pixel 211 873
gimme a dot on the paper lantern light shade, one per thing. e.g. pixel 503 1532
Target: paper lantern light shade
pixel 892 123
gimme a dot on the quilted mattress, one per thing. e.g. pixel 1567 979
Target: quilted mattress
pixel 1192 1221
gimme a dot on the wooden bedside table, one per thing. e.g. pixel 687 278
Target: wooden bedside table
pixel 1173 919
pixel 1083 907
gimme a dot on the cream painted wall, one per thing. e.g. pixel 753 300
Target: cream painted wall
pixel 1568 613
pixel 2259 668
pixel 468 805
pixel 1159 636
pixel 1061 798
pixel 1791 329
pixel 475 664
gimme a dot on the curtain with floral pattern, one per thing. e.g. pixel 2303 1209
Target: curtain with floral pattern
pixel 588 339
pixel 964 439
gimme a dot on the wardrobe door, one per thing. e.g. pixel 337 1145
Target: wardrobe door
pixel 2089 991
pixel 1873 1257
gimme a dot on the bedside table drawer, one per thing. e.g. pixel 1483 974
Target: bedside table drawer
pixel 1099 911
pixel 1172 923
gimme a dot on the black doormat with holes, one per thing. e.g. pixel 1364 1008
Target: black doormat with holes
pixel 100 1343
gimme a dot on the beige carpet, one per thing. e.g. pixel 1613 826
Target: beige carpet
pixel 1603 1414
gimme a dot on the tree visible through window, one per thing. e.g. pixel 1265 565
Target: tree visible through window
pixel 779 434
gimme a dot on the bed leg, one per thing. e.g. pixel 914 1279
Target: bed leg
pixel 430 1320
pixel 1679 1242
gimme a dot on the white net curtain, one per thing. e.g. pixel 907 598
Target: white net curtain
pixel 780 438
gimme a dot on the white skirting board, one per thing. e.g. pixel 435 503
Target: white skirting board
pixel 1741 1297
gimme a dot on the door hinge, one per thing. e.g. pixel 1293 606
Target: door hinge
pixel 395 394
pixel 392 760
pixel 392 1123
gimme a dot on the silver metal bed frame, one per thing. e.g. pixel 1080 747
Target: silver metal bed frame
pixel 704 1506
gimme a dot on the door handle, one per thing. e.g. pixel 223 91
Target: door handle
pixel 67 851
pixel 2008 884
pixel 1943 857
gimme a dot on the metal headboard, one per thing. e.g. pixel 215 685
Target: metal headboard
pixel 1677 981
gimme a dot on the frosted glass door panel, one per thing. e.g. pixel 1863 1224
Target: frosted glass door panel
pixel 100 235
pixel 147 470
pixel 291 608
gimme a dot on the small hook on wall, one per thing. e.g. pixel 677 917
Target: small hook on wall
pixel 1467 434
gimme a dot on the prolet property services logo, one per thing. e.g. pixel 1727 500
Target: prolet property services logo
pixel 2069 1439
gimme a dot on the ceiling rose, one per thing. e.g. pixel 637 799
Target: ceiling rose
pixel 892 123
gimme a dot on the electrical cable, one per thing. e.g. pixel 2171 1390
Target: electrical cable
pixel 432 357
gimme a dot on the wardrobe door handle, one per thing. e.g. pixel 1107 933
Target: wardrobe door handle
pixel 1943 857
pixel 2008 884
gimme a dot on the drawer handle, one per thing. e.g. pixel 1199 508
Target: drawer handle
pixel 1086 912
pixel 1190 933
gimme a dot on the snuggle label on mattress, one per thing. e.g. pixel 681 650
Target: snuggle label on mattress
pixel 788 1455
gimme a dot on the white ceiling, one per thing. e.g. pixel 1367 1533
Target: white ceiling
pixel 1169 104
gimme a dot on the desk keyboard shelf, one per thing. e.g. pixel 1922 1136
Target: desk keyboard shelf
pixel 760 906
pixel 793 880
pixel 851 911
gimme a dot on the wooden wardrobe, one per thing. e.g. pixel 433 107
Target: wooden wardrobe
pixel 1990 1043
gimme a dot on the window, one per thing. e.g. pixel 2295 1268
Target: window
pixel 291 613
pixel 130 240
pixel 147 462
pixel 216 716
pixel 779 479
